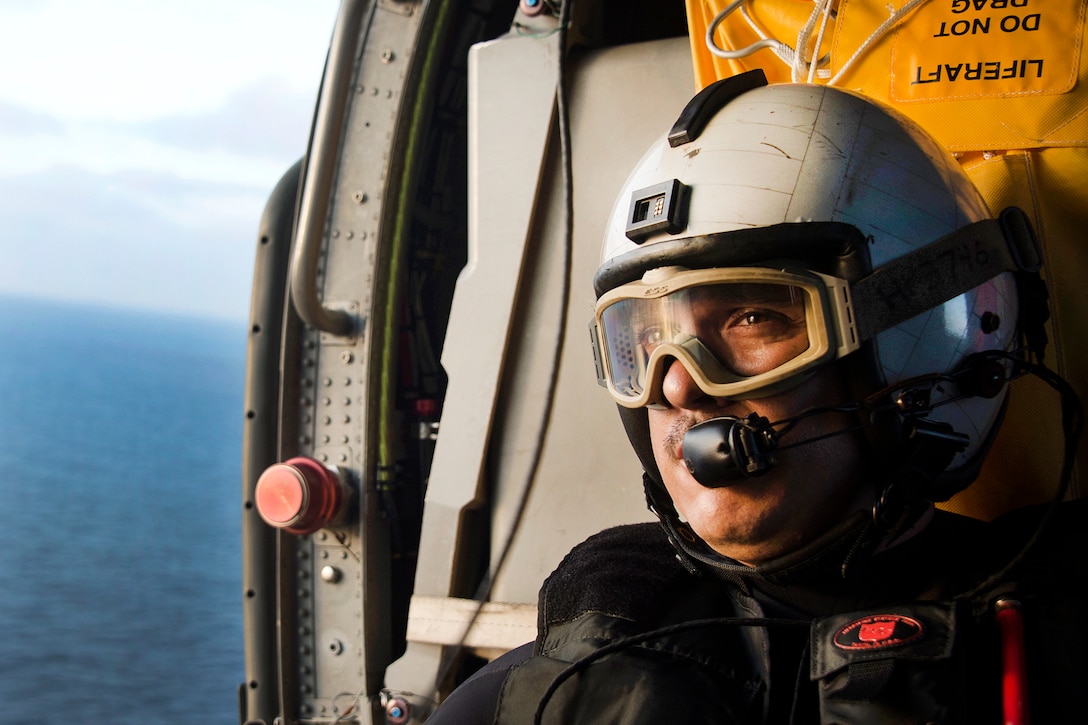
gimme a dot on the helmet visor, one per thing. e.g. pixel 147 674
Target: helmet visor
pixel 740 332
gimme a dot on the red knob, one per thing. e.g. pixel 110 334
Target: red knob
pixel 300 496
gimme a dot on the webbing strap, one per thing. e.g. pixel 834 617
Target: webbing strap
pixel 867 679
pixel 938 272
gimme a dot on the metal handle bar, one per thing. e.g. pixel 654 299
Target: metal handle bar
pixel 321 166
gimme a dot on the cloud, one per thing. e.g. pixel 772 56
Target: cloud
pixel 248 139
pixel 133 60
pixel 266 118
pixel 139 141
pixel 158 215
pixel 16 121
pixel 142 240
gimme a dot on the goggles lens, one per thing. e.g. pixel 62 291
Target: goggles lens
pixel 737 331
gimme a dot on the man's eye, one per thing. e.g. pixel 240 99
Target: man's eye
pixel 758 317
pixel 651 337
pixel 763 324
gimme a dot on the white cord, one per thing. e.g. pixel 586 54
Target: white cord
pixel 876 36
pixel 783 51
pixel 814 64
pixel 800 68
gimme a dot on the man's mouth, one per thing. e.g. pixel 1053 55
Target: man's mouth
pixel 674 436
pixel 678 428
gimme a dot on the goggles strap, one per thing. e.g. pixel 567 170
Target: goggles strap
pixel 807 242
pixel 938 272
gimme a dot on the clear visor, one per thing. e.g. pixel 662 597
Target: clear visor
pixel 739 332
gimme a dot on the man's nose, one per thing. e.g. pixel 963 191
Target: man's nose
pixel 680 390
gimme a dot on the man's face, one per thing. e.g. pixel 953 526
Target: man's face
pixel 811 488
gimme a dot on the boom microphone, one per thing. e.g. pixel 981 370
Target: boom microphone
pixel 722 451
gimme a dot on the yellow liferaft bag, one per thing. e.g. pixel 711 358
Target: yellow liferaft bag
pixel 1002 84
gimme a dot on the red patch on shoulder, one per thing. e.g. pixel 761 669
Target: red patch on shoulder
pixel 878 631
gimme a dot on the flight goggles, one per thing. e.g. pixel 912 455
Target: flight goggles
pixel 740 332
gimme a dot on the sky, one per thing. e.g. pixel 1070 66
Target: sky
pixel 139 140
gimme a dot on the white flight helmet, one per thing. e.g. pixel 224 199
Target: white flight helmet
pixel 903 270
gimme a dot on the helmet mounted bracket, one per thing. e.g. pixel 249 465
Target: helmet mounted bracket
pixel 707 102
pixel 659 208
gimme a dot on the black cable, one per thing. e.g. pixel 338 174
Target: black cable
pixel 564 306
pixel 802 666
pixel 483 594
pixel 1072 427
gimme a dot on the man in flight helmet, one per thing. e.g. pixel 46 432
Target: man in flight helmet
pixel 808 317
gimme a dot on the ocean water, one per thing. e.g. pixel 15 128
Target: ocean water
pixel 120 573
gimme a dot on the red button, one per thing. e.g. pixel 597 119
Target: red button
pixel 299 496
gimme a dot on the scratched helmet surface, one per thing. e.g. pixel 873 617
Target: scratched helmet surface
pixel 797 154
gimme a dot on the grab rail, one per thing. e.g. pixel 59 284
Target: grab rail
pixel 320 169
